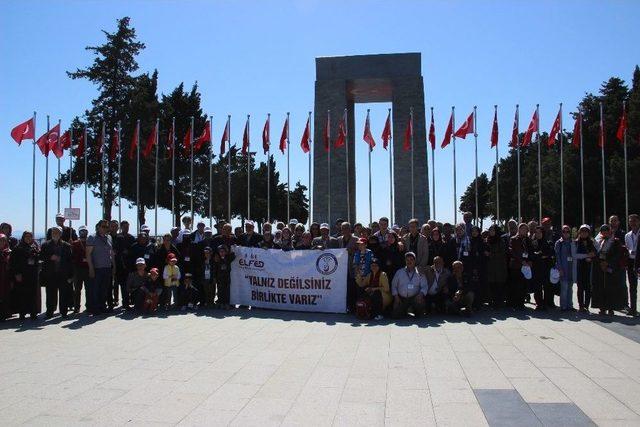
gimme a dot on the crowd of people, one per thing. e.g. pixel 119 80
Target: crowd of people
pixel 395 271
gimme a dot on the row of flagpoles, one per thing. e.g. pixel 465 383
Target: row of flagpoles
pixel 51 141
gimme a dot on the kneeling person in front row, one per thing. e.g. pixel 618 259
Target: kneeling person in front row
pixel 408 288
pixel 461 290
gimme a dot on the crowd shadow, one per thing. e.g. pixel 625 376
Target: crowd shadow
pixel 485 316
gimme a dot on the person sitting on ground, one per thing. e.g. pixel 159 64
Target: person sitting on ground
pixel 461 289
pixel 362 259
pixel 408 288
pixel 188 293
pixel 151 291
pixel 375 288
pixel 437 276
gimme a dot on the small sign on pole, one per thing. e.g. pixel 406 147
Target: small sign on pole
pixel 72 214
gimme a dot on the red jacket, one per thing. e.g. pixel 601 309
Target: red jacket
pixel 78 254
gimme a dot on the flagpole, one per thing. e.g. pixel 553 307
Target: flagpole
pixel 86 146
pixel 210 173
pixel 138 175
pixel 561 171
pixel 626 180
pixel 329 167
pixel 310 209
pixel 46 184
pixel 156 176
pixel 102 184
pixel 119 175
pixel 288 176
pixel 369 158
pixel 58 144
pixel 413 197
pixel 518 158
pixel 539 165
pixel 604 185
pixel 248 168
pixel 346 137
pixel 581 167
pixel 70 170
pixel 455 196
pixel 269 167
pixel 475 137
pixel 193 219
pixel 33 178
pixel 229 167
pixel 495 109
pixel 390 172
pixel 433 175
pixel 173 171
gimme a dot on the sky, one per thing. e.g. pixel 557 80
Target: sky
pixel 256 57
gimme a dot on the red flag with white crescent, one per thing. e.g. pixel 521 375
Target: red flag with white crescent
pixel 245 138
pixel 306 137
pixel 225 137
pixel 447 133
pixel 284 137
pixel 432 133
pixel 46 141
pixel 554 131
pixel 203 138
pixel 341 140
pixel 115 145
pixel 81 144
pixel 466 128
pixel 266 135
pixel 515 131
pixel 577 131
pixel 494 130
pixel 533 127
pixel 408 134
pixel 622 127
pixel 367 136
pixel 25 130
pixel 386 132
pixel 151 142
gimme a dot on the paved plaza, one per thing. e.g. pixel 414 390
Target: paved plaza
pixel 264 367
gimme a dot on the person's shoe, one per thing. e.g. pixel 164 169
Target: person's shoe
pixel 541 308
pixel 22 316
pixel 611 313
pixel 571 309
pixel 64 315
pixel 631 312
pixel 602 312
pixel 583 310
pixel 48 315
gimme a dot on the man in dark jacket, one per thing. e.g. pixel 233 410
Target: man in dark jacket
pixel 121 247
pixel 57 271
pixel 68 233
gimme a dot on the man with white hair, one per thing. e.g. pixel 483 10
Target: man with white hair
pixel 250 238
pixel 57 272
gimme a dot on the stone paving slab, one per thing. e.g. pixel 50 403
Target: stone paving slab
pixel 264 367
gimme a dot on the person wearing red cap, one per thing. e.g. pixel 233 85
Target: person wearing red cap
pixel 171 276
pixel 151 290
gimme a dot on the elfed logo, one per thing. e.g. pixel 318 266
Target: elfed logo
pixel 326 264
pixel 251 262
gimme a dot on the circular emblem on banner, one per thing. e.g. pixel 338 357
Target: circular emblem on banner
pixel 327 264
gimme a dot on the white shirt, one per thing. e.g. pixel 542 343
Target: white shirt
pixel 631 242
pixel 433 289
pixel 181 234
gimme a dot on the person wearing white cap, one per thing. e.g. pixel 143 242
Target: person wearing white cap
pixel 325 241
pixel 57 272
pixel 68 233
pixel 250 238
pixel 186 221
pixel 135 281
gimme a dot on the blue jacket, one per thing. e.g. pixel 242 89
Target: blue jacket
pixel 565 255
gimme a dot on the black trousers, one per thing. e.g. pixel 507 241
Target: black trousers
pixel 59 294
pixel 436 300
pixel 517 289
pixel 26 293
pixel 496 294
pixel 223 291
pixel 121 282
pixel 584 284
pixel 632 275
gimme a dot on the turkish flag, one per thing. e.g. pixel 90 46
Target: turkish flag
pixel 408 134
pixel 577 131
pixel 115 145
pixel 494 130
pixel 204 137
pixel 65 140
pixel 134 143
pixel 386 132
pixel 170 142
pixel 341 140
pixel 100 144
pixel 46 141
pixel 447 133
pixel 80 148
pixel 56 147
pixel 515 131
pixel 265 135
pixel 466 128
pixel 622 127
pixel 367 137
pixel 285 135
pixel 305 143
pixel 23 131
pixel 554 131
pixel 326 134
pixel 432 133
pixel 245 138
pixel 151 142
pixel 533 127
pixel 186 142
pixel 225 137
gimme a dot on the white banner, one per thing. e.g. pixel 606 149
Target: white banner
pixel 308 280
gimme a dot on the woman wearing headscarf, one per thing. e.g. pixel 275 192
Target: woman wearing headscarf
pixel 476 266
pixel 542 262
pixel 375 286
pixel 437 246
pixel 5 279
pixel 392 254
pixel 24 268
pixel 496 266
pixel 608 294
pixel 286 240
pixel 585 255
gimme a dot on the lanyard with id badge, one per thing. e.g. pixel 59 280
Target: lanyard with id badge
pixel 410 285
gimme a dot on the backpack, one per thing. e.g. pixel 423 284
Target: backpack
pixel 364 310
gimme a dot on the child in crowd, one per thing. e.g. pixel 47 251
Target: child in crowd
pixel 151 291
pixel 171 276
pixel 188 292
pixel 207 285
pixel 222 272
